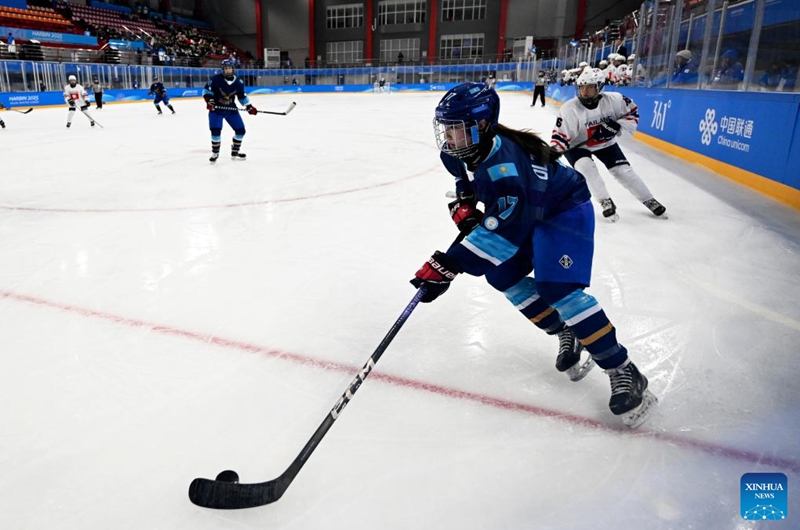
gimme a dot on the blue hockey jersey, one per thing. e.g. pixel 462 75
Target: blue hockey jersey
pixel 519 194
pixel 223 92
pixel 157 88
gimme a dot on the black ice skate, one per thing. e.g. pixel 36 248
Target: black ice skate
pixel 609 210
pixel 236 155
pixel 2 124
pixel 69 124
pixel 92 123
pixel 569 356
pixel 630 398
pixel 213 157
pixel 656 207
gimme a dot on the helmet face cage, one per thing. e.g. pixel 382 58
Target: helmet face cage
pixel 463 116
pixel 588 78
pixel 227 64
pixel 457 138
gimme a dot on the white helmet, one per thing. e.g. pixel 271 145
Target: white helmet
pixel 603 63
pixel 583 64
pixel 72 78
pixel 591 76
pixel 631 57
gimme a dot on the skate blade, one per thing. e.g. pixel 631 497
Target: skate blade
pixel 639 415
pixel 613 218
pixel 578 371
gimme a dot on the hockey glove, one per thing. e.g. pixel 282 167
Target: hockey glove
pixel 251 110
pixel 84 107
pixel 435 275
pixel 71 103
pixel 606 131
pixel 465 213
pixel 209 104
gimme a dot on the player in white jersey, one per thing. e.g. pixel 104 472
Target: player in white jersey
pixel 75 96
pixel 587 126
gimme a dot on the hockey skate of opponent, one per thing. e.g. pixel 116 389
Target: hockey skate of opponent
pixel 2 123
pixel 220 94
pixel 597 118
pixel 158 89
pixel 538 217
pixel 75 96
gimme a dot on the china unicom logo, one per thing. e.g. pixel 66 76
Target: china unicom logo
pixel 764 497
pixel 708 126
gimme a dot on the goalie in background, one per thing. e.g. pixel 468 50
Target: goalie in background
pixel 539 219
pixel 76 97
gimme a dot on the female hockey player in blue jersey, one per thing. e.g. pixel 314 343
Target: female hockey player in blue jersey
pixel 538 218
pixel 158 89
pixel 220 94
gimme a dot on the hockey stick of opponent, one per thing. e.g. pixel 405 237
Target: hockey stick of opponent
pixel 225 493
pixel 91 118
pixel 3 107
pixel 284 113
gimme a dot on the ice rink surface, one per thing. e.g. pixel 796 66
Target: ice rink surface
pixel 164 318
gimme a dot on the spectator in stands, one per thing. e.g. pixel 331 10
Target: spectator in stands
pixel 684 70
pixel 730 70
pixel 620 49
pixel 789 75
pixel 400 57
pixel 12 47
pixel 771 78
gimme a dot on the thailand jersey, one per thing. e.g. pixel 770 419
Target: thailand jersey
pixel 519 194
pixel 224 92
pixel 576 123
pixel 75 93
pixel 158 89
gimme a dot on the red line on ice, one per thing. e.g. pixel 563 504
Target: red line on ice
pixel 688 443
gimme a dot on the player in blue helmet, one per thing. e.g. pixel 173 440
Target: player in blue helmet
pixel 538 219
pixel 220 94
pixel 160 92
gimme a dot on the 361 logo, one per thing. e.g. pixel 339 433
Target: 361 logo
pixel 708 126
pixel 764 496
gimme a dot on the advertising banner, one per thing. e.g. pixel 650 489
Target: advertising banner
pixel 48 36
pixel 751 131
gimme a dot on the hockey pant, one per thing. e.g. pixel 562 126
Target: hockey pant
pixel 617 165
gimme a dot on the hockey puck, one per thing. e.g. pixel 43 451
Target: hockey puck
pixel 228 476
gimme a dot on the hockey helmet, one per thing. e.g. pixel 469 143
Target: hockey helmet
pixel 228 64
pixel 72 79
pixel 590 77
pixel 465 115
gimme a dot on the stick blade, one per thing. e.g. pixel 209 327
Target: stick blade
pixel 291 107
pixel 233 496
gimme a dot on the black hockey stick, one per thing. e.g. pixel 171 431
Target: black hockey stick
pixel 284 113
pixel 91 119
pixel 3 107
pixel 225 493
